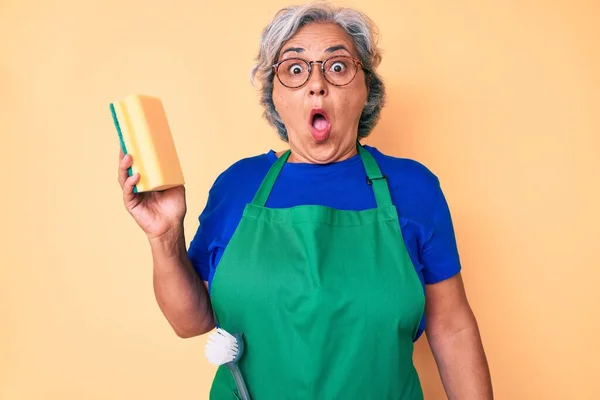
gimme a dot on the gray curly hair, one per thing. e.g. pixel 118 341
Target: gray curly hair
pixel 286 23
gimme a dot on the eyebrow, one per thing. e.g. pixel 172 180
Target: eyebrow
pixel 293 49
pixel 328 50
pixel 336 48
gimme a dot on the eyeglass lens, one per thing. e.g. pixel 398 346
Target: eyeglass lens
pixel 338 71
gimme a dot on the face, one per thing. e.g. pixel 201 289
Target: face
pixel 320 140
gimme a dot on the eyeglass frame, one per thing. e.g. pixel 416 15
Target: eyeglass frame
pixel 356 62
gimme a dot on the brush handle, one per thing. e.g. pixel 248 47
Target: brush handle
pixel 239 381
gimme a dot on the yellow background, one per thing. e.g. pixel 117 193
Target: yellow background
pixel 500 99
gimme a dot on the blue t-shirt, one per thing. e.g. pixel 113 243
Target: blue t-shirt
pixel 424 215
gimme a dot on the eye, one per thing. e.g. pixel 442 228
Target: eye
pixel 295 69
pixel 338 67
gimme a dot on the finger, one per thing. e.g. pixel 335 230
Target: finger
pixel 124 165
pixel 121 155
pixel 128 185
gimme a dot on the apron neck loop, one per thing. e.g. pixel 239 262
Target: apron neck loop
pixel 374 178
pixel 263 192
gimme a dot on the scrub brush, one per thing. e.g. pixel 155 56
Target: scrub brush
pixel 225 348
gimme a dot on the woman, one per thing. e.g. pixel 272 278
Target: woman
pixel 332 258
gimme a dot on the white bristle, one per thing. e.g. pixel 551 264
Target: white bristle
pixel 221 347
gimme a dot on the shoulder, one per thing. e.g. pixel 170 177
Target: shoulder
pixel 405 171
pixel 242 176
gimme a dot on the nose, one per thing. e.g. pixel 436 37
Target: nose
pixel 317 85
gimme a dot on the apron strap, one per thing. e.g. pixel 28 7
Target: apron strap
pixel 374 178
pixel 263 192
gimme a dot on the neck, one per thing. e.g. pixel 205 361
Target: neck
pixel 320 157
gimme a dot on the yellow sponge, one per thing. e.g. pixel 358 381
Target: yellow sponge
pixel 144 132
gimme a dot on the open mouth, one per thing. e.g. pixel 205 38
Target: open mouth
pixel 319 124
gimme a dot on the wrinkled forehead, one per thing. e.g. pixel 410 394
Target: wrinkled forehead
pixel 318 40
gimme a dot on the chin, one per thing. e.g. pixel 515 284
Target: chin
pixel 320 151
pixel 324 151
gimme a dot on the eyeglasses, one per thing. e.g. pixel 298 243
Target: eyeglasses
pixel 337 70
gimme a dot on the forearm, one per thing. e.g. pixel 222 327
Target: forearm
pixel 180 293
pixel 461 360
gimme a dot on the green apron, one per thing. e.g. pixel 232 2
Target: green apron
pixel 328 300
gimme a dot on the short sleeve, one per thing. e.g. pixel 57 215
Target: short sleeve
pixel 198 251
pixel 439 253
